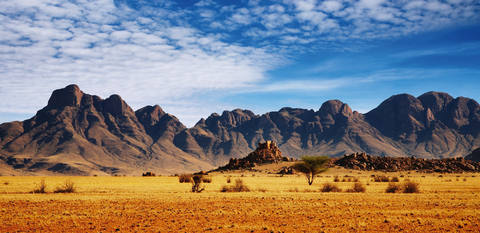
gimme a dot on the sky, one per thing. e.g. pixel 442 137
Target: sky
pixel 197 57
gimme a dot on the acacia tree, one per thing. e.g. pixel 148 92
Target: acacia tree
pixel 311 166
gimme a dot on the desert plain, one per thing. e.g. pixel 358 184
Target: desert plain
pixel 275 203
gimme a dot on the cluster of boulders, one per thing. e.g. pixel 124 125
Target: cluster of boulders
pixel 266 153
pixel 363 161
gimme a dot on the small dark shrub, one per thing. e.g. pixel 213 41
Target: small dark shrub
pixel 7 182
pixel 336 178
pixel 411 187
pixel 239 186
pixel 295 190
pixel 465 179
pixel 355 179
pixel 185 178
pixel 229 179
pixel 330 187
pixel 196 184
pixel 381 178
pixel 393 188
pixel 207 179
pixel 394 179
pixel 68 187
pixel 262 190
pixel 358 187
pixel 41 188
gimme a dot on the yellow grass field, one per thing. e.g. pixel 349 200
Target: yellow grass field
pixel 446 203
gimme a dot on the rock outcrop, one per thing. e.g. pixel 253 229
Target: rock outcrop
pixel 363 161
pixel 265 153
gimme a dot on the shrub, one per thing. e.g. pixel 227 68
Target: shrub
pixel 355 179
pixel 239 186
pixel 207 179
pixel 381 178
pixel 41 188
pixel 336 178
pixel 394 179
pixel 358 187
pixel 196 184
pixel 229 179
pixel 294 190
pixel 262 190
pixel 330 187
pixel 185 178
pixel 68 187
pixel 7 182
pixel 411 187
pixel 393 188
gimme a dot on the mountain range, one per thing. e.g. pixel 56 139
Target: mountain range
pixel 82 134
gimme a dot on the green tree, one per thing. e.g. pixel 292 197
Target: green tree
pixel 311 166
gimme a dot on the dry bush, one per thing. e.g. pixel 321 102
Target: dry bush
pixel 355 179
pixel 393 188
pixel 207 179
pixel 68 187
pixel 394 179
pixel 381 178
pixel 239 186
pixel 330 187
pixel 411 187
pixel 294 190
pixel 336 178
pixel 185 178
pixel 7 182
pixel 358 187
pixel 262 190
pixel 196 184
pixel 229 179
pixel 41 188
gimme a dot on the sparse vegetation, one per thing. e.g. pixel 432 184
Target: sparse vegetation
pixel 381 178
pixel 311 166
pixel 6 182
pixel 229 179
pixel 41 188
pixel 358 187
pixel 197 184
pixel 336 178
pixel 411 187
pixel 239 186
pixel 330 187
pixel 185 178
pixel 393 188
pixel 207 179
pixel 67 187
pixel 394 179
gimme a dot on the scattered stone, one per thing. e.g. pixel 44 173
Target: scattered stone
pixel 362 161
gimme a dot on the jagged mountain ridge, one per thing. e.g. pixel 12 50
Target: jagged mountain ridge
pixel 77 133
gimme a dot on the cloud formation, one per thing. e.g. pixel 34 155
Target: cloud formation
pixel 170 52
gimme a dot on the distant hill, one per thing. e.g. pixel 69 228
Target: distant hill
pixel 82 134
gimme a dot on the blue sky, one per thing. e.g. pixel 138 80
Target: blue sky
pixel 195 57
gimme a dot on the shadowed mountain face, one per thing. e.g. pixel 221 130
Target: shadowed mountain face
pixel 81 134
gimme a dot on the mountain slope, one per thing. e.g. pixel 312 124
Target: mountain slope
pixel 82 134
pixel 78 134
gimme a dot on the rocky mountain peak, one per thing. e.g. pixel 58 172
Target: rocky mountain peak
pixel 68 96
pixel 435 101
pixel 149 115
pixel 332 107
pixel 116 106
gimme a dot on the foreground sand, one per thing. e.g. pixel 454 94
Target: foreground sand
pixel 275 204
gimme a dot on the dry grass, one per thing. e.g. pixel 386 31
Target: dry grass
pixel 129 204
